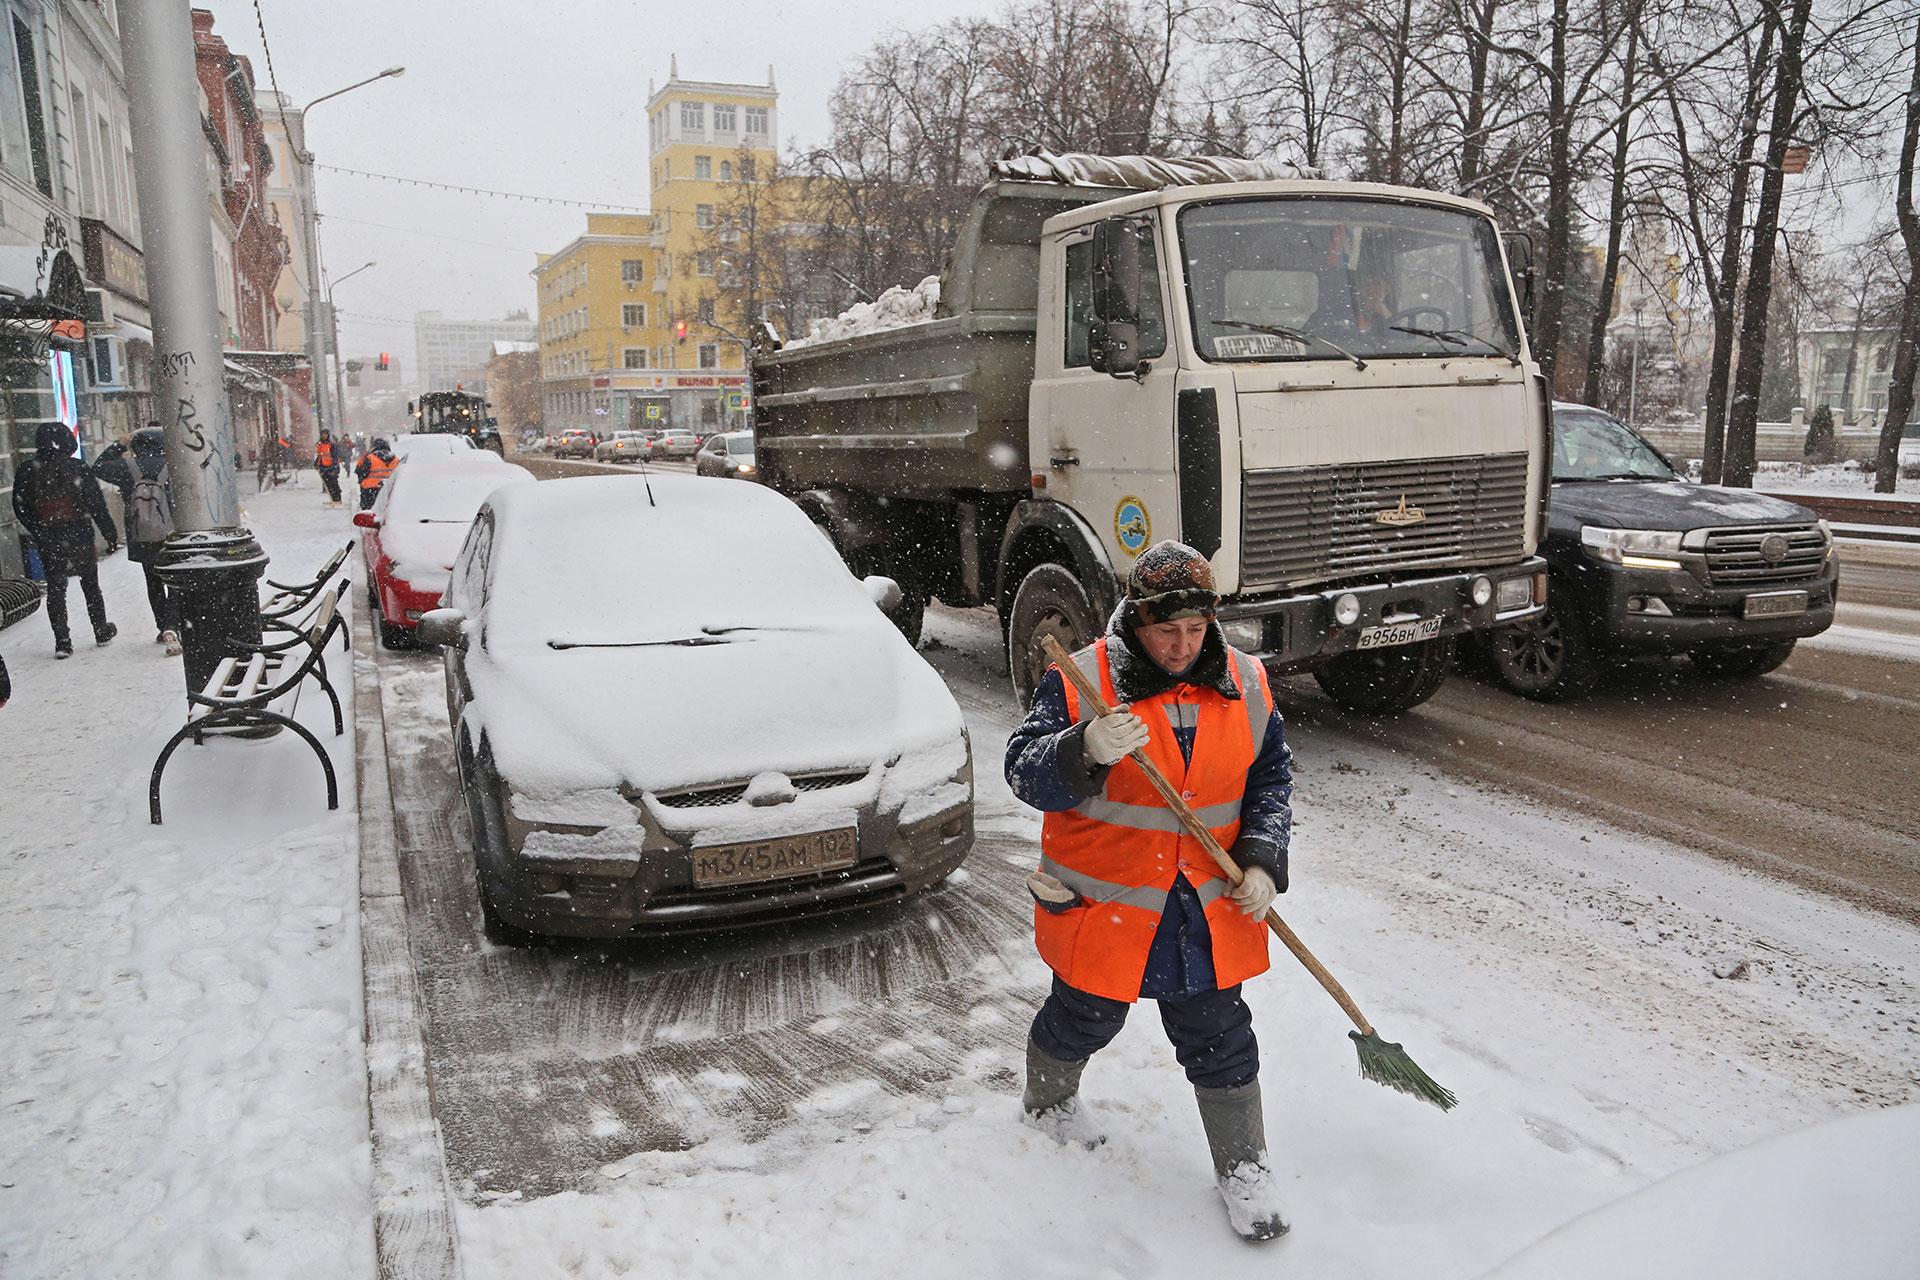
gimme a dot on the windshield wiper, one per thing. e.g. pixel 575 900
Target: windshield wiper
pixel 707 636
pixel 1292 335
pixel 1458 337
pixel 1609 475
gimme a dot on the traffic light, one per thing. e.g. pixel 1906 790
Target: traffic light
pixel 680 330
pixel 382 366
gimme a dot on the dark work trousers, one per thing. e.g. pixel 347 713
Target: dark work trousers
pixel 330 477
pixel 1212 1032
pixel 367 496
pixel 166 614
pixel 89 576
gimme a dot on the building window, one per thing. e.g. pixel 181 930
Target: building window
pixel 723 118
pixel 726 171
pixel 633 270
pixel 666 171
pixel 634 315
pixel 704 263
pixel 709 355
pixel 634 358
pixel 703 215
pixel 693 117
pixel 703 167
pixel 757 120
pixel 28 68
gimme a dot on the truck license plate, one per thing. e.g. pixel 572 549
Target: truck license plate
pixel 756 860
pixel 1774 604
pixel 1392 633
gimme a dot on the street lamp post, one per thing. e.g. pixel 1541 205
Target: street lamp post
pixel 339 391
pixel 316 345
pixel 211 563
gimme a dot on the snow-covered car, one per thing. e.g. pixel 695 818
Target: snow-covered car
pixel 430 444
pixel 622 446
pixel 415 529
pixel 574 443
pixel 675 442
pixel 682 712
pixel 729 455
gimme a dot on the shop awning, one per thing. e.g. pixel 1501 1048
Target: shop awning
pixel 238 375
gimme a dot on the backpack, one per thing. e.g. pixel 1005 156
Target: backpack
pixel 55 493
pixel 149 507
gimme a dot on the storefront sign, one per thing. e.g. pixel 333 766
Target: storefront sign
pixel 111 261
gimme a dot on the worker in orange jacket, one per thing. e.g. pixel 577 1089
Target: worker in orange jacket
pixel 326 460
pixel 375 465
pixel 1127 906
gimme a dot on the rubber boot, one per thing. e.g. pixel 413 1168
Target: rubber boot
pixel 1051 1103
pixel 1237 1136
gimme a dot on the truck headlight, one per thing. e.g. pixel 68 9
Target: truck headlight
pixel 1513 593
pixel 1346 610
pixel 1482 589
pixel 1632 548
pixel 1245 634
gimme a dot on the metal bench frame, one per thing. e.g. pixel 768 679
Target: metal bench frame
pixel 238 699
pixel 289 599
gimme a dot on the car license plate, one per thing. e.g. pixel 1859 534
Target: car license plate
pixel 1774 604
pixel 756 860
pixel 1392 633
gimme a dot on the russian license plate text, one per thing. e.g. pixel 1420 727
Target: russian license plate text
pixel 1774 604
pixel 1392 633
pixel 754 860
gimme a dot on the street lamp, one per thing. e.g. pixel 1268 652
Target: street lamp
pixel 339 391
pixel 316 350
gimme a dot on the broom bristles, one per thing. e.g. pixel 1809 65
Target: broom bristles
pixel 1385 1062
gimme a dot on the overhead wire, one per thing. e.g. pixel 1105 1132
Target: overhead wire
pixel 486 191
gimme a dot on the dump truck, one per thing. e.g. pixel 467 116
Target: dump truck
pixel 1325 387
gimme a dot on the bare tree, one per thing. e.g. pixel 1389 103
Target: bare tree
pixel 1907 344
pixel 1284 67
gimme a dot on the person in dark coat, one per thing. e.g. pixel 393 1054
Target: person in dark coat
pixel 146 496
pixel 54 498
pixel 1126 906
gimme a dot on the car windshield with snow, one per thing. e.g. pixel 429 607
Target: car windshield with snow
pixel 725 728
pixel 1643 562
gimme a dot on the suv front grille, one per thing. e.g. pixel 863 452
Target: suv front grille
pixel 1737 558
pixel 1316 524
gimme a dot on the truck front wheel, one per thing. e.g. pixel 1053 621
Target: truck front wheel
pixel 1384 682
pixel 1049 601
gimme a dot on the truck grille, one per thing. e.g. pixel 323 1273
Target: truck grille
pixel 1315 524
pixel 1738 557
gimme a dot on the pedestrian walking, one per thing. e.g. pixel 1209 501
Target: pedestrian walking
pixel 373 469
pixel 327 462
pixel 1126 905
pixel 146 496
pixel 54 499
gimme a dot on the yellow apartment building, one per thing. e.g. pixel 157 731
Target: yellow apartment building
pixel 628 327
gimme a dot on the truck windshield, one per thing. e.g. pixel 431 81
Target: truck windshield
pixel 1315 278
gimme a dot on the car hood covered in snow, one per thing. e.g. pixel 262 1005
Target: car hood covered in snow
pixel 1669 504
pixel 660 717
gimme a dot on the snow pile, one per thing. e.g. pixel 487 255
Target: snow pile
pixel 185 1086
pixel 1843 479
pixel 897 308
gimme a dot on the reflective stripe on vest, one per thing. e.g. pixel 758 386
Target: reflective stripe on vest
pixel 377 471
pixel 1123 848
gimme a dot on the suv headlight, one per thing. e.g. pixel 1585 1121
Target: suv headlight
pixel 1632 548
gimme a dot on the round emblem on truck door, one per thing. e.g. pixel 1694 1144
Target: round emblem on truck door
pixel 1773 548
pixel 1132 525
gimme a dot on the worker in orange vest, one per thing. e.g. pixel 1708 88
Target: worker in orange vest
pixel 375 465
pixel 1127 906
pixel 327 462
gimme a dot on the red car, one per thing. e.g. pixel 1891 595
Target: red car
pixel 416 528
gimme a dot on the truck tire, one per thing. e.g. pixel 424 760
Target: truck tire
pixel 1548 658
pixel 1049 601
pixel 1384 682
pixel 1740 662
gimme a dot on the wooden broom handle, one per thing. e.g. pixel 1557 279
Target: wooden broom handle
pixel 1198 830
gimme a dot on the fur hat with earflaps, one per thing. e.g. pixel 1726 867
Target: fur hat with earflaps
pixel 1171 580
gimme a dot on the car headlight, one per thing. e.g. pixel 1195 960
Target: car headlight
pixel 1632 548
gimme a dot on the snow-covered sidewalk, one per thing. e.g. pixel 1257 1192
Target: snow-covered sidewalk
pixel 184 1083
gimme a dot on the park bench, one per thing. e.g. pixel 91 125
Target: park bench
pixel 256 687
pixel 290 598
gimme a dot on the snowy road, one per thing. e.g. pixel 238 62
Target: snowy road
pixel 698 1107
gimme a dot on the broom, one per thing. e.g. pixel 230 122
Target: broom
pixel 1381 1061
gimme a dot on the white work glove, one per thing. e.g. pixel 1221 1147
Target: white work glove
pixel 1255 892
pixel 1111 737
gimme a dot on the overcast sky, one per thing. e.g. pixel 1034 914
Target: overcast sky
pixel 547 99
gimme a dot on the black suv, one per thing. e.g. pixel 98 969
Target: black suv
pixel 1642 561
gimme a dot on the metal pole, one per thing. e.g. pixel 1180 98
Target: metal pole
pixel 316 343
pixel 339 390
pixel 1633 376
pixel 212 562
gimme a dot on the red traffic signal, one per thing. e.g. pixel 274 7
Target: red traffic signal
pixel 382 365
pixel 680 330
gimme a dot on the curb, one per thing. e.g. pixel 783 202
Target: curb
pixel 412 1205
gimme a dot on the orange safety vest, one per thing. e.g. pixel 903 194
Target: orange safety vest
pixel 378 468
pixel 323 454
pixel 1121 849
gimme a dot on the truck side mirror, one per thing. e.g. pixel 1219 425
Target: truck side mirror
pixel 409 406
pixel 1114 345
pixel 1519 246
